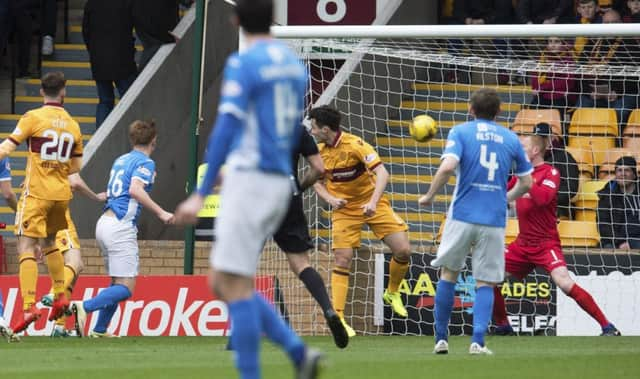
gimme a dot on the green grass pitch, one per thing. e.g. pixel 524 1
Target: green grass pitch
pixel 365 357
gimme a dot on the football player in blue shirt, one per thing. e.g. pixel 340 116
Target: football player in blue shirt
pixel 130 181
pixel 481 153
pixel 256 131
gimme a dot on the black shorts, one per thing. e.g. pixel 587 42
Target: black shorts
pixel 293 234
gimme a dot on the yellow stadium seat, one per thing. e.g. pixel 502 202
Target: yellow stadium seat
pixel 526 119
pixel 634 118
pixel 587 197
pixel 589 215
pixel 594 121
pixel 584 158
pixel 631 144
pixel 511 231
pixel 598 145
pixel 579 233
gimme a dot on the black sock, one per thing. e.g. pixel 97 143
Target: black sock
pixel 314 283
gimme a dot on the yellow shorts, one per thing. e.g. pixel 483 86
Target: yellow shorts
pixel 67 239
pixel 347 225
pixel 39 218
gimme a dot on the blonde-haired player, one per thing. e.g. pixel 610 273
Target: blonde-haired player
pixel 54 152
pixel 68 243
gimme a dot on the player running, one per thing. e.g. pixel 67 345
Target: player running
pixel 481 154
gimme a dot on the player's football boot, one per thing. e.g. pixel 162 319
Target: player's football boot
pixel 476 349
pixel 94 334
pixel 503 330
pixel 310 366
pixel 395 301
pixel 47 301
pixel 28 317
pixel 350 331
pixel 59 332
pixel 80 317
pixel 6 332
pixel 340 336
pixel 59 307
pixel 442 347
pixel 610 331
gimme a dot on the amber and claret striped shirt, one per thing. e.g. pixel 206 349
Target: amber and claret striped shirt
pixel 53 138
pixel 349 163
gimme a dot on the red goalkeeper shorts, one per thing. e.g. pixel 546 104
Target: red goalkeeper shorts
pixel 520 260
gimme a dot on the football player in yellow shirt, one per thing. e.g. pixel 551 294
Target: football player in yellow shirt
pixel 355 179
pixel 54 152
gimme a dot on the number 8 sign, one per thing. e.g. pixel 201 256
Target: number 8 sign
pixel 331 12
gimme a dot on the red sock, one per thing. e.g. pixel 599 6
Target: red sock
pixel 586 302
pixel 499 309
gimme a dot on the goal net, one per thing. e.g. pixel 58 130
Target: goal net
pixel 580 79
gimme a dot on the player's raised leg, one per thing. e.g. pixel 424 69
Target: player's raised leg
pixel 560 276
pixel 398 242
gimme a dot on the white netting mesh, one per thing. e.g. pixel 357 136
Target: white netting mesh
pixel 380 85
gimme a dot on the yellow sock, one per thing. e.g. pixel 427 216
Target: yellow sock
pixel 28 279
pixel 70 277
pixel 339 289
pixel 397 271
pixel 62 321
pixel 55 263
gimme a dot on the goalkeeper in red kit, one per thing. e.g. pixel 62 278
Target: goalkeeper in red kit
pixel 538 243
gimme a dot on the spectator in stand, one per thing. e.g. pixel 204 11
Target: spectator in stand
pixel 619 208
pixel 5 25
pixel 588 13
pixel 544 11
pixel 49 23
pixel 153 20
pixel 21 13
pixel 609 91
pixel 107 28
pixel 554 89
pixel 631 12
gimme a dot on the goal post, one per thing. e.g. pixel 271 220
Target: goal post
pixel 397 72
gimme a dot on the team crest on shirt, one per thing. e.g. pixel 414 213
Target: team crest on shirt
pixel 370 158
pixel 554 172
pixel 25 224
pixel 63 241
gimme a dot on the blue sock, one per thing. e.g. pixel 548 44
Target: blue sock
pixel 482 310
pixel 278 331
pixel 1 305
pixel 445 294
pixel 245 337
pixel 104 318
pixel 109 296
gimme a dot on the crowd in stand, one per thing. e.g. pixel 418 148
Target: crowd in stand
pixel 559 87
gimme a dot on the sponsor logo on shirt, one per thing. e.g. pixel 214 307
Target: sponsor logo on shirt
pixel 231 88
pixel 144 171
pixel 370 158
pixel 548 183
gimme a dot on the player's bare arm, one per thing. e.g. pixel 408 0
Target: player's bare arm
pixel 321 190
pixel 315 172
pixel 137 191
pixel 523 185
pixel 7 147
pixel 8 194
pixel 76 165
pixel 79 185
pixel 187 211
pixel 445 171
pixel 382 179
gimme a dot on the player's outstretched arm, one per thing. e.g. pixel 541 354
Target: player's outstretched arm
pixel 315 172
pixel 447 168
pixel 79 185
pixel 523 185
pixel 323 192
pixel 137 191
pixel 382 179
pixel 6 147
